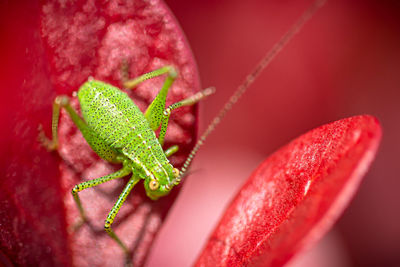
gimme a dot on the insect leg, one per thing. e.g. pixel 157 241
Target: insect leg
pixel 130 84
pixel 93 140
pixel 91 183
pixel 154 110
pixel 59 102
pixel 186 102
pixel 111 216
pixel 63 101
pixel 171 150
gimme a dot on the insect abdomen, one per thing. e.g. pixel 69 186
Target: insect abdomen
pixel 108 111
pixel 113 116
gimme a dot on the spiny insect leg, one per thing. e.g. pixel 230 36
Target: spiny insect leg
pixel 111 216
pixel 59 102
pixel 154 112
pixel 186 102
pixel 63 102
pixel 130 84
pixel 91 183
pixel 155 109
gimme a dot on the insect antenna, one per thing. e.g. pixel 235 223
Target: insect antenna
pixel 265 61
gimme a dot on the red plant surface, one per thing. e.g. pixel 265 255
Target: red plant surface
pixel 51 48
pixel 294 196
pixel 41 61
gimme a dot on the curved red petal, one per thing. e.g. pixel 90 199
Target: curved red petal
pixel 53 47
pixel 294 196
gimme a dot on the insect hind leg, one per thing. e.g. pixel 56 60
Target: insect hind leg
pixel 155 109
pixel 185 102
pixel 130 84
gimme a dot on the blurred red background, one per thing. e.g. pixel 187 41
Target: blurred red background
pixel 345 61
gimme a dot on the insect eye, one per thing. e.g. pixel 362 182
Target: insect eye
pixel 154 185
pixel 175 171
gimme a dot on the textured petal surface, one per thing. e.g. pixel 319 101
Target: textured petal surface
pixel 294 196
pixel 51 48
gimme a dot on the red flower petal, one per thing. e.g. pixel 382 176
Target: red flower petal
pixel 53 48
pixel 294 196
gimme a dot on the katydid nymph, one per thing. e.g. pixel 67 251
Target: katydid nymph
pixel 119 132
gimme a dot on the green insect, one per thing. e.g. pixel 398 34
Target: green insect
pixel 119 132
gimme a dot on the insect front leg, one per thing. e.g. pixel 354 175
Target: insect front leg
pixel 171 150
pixel 92 183
pixel 186 102
pixel 114 211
